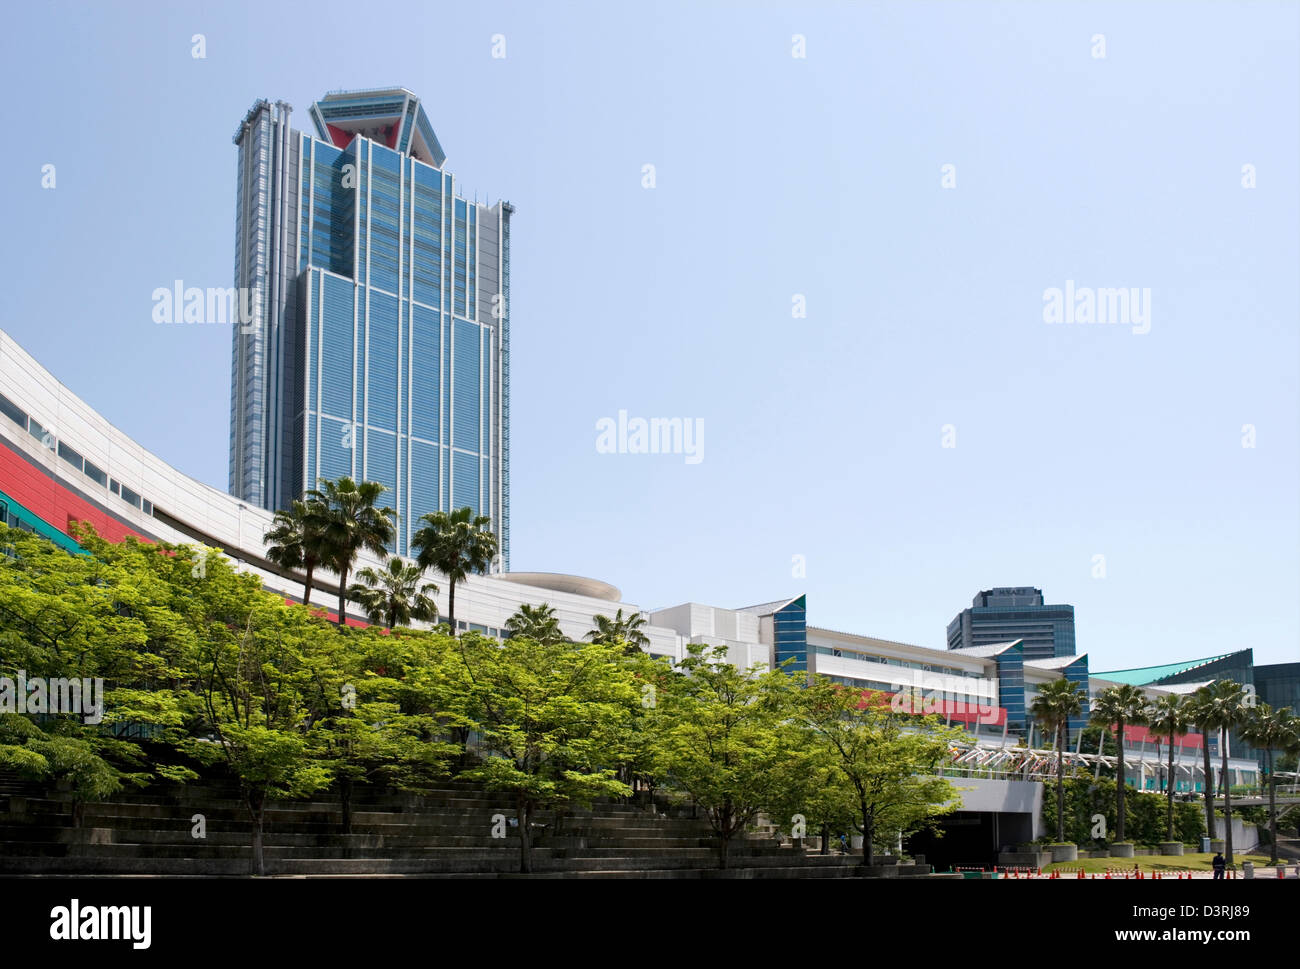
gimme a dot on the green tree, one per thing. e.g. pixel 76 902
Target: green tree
pixel 728 738
pixel 1055 704
pixel 253 685
pixel 393 595
pixel 376 724
pixel 1225 708
pixel 99 616
pixel 537 623
pixel 817 799
pixel 1269 730
pixel 624 632
pixel 887 763
pixel 293 542
pixel 1167 717
pixel 344 515
pixel 552 715
pixel 652 676
pixel 57 755
pixel 455 544
pixel 1119 705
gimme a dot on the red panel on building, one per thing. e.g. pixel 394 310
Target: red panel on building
pixel 325 613
pixel 341 138
pixel 955 710
pixel 46 497
pixel 1136 734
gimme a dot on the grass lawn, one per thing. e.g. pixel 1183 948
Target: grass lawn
pixel 1196 862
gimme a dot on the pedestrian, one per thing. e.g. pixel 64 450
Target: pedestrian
pixel 1218 864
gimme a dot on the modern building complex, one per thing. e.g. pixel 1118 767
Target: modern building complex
pixel 1277 684
pixel 62 463
pixel 377 347
pixel 1005 614
pixel 379 344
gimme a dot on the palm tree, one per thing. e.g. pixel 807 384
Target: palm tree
pixel 537 623
pixel 1291 742
pixel 1120 705
pixel 1201 716
pixel 455 544
pixel 1168 718
pixel 294 543
pixel 394 595
pixel 344 514
pixel 626 632
pixel 1225 703
pixel 1268 729
pixel 1055 704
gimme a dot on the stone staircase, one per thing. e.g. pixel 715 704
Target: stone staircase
pixel 447 833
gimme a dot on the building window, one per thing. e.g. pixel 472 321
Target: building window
pixel 38 432
pixel 94 474
pixel 71 456
pixel 130 496
pixel 11 411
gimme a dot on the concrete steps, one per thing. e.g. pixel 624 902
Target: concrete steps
pixel 445 833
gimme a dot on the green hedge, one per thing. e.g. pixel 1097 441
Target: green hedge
pixel 1144 813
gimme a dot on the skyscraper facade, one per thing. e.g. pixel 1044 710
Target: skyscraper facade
pixel 380 341
pixel 1006 614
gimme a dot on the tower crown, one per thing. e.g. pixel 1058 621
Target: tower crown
pixel 390 116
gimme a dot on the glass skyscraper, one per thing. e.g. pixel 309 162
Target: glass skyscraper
pixel 380 341
pixel 1006 614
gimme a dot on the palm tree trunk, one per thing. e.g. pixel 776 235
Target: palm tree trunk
pixel 1169 787
pixel 1227 803
pixel 1272 811
pixel 306 594
pixel 451 606
pixel 1119 785
pixel 343 595
pixel 1208 778
pixel 1060 785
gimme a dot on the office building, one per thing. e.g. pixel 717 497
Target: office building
pixel 1015 613
pixel 379 346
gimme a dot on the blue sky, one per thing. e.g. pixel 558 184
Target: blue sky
pixel 775 176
